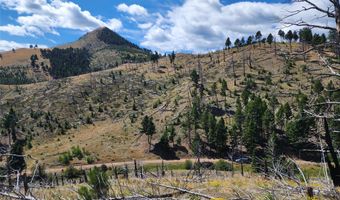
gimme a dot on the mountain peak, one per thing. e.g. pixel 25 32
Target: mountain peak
pixel 100 38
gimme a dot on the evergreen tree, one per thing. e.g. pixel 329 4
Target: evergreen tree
pixel 242 41
pixel 298 129
pixel 268 125
pixel 302 101
pixel 172 134
pixel 237 43
pixel 287 111
pixel 239 117
pixel 221 136
pixel 9 123
pixel 323 38
pixel 148 128
pixel 253 125
pixel 172 58
pixel 289 36
pixel 164 140
pixel 295 36
pixel 306 37
pixel 281 33
pixel 16 161
pixel 250 40
pixel 317 86
pixel 194 77
pixel 270 39
pixel 98 182
pixel 212 130
pixel 214 92
pixel 316 39
pixel 224 88
pixel 258 37
pixel 228 43
pixel 280 117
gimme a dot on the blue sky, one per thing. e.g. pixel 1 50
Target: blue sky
pixel 162 25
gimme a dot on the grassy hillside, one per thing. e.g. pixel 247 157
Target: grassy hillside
pixel 102 111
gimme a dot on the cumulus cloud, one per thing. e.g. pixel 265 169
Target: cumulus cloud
pixel 202 25
pixel 133 9
pixel 8 45
pixel 37 17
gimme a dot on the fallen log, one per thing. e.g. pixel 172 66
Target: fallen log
pixel 183 190
pixel 14 196
pixel 139 197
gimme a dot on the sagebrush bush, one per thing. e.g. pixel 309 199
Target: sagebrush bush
pixel 222 165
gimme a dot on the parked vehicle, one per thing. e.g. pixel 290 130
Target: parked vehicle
pixel 243 160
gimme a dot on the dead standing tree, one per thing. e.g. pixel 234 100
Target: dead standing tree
pixel 331 111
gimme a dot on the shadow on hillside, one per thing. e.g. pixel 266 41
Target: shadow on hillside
pixel 167 152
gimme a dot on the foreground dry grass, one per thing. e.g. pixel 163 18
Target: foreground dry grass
pixel 218 185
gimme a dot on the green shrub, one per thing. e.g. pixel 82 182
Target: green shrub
pixel 76 152
pixel 89 120
pixel 222 165
pixel 65 158
pixel 98 181
pixel 85 193
pixel 188 164
pixel 157 103
pixel 72 172
pixel 90 159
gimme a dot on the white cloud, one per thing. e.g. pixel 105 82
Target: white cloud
pixel 8 45
pixel 145 25
pixel 114 24
pixel 37 17
pixel 133 9
pixel 202 25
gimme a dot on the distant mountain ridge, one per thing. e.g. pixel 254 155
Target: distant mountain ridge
pixel 100 38
pixel 99 49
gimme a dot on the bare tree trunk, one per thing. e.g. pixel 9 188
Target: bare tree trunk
pixel 244 64
pixel 334 169
pixel 233 65
pixel 337 22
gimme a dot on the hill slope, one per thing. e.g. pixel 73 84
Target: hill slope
pixel 102 111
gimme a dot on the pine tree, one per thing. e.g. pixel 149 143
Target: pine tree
pixel 212 130
pixel 289 36
pixel 270 39
pixel 237 43
pixel 148 128
pixel 16 161
pixel 317 86
pixel 239 117
pixel 287 111
pixel 10 123
pixel 281 33
pixel 250 40
pixel 258 37
pixel 194 77
pixel 221 136
pixel 224 88
pixel 280 117
pixel 228 43
pixel 172 134
pixel 295 36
